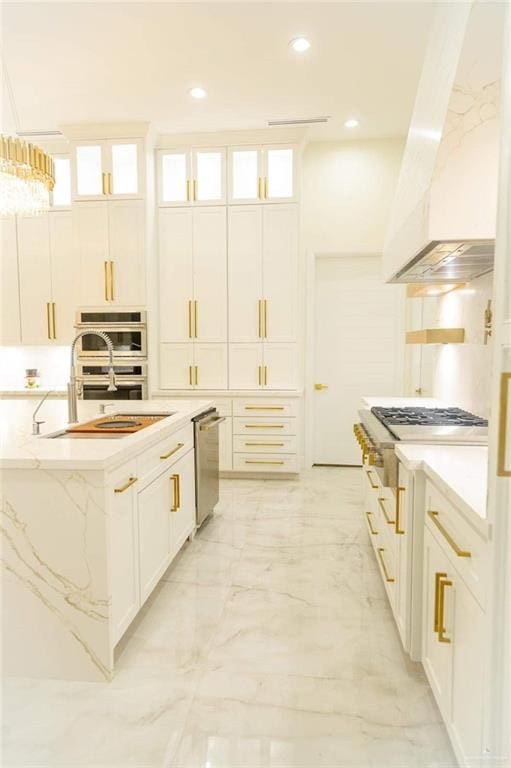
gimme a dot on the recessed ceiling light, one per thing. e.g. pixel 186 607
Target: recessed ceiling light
pixel 351 123
pixel 198 93
pixel 300 44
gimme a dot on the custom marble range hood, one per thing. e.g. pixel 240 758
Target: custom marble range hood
pixel 444 215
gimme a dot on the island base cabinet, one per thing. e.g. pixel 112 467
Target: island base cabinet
pixel 182 508
pixel 154 504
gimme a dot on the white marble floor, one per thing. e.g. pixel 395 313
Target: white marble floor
pixel 269 643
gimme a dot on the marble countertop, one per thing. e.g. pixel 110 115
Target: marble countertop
pixel 458 471
pixel 32 393
pixel 19 449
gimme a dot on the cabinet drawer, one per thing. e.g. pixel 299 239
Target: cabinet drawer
pixel 266 426
pixel 265 444
pixel 258 406
pixel 164 453
pixel 264 462
pixel 466 549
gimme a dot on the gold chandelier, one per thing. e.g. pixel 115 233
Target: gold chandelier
pixel 27 176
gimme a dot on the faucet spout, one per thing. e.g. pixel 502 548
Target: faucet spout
pixel 72 404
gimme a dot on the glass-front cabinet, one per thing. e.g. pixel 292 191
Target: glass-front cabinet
pixel 192 176
pixel 259 174
pixel 110 168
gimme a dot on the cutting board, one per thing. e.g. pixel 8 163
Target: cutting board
pixel 138 423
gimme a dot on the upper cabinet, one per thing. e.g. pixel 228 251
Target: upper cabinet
pixel 107 169
pixel 261 174
pixel 10 320
pixel 60 196
pixel 191 176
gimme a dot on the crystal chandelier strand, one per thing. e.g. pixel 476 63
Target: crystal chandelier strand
pixel 27 176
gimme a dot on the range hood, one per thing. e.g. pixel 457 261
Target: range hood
pixel 443 220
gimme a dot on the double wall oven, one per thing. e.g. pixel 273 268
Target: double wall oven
pixel 128 332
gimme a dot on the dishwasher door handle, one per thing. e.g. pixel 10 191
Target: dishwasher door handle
pixel 211 423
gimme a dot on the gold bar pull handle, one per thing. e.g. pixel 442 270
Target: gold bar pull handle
pixel 110 185
pixel 265 375
pixel 195 316
pixel 447 536
pixel 188 190
pixel 190 331
pixel 398 529
pixel 264 407
pixel 442 584
pixel 436 622
pixel 190 375
pixel 126 485
pixel 265 316
pixel 370 523
pixel 265 192
pixel 111 281
pixel 259 188
pixel 48 321
pixel 504 418
pixel 261 461
pixel 369 474
pixel 260 319
pixel 196 375
pixel 54 321
pixel 381 502
pixel 194 185
pixel 103 184
pixel 176 503
pixel 389 579
pixel 172 451
pixel 106 280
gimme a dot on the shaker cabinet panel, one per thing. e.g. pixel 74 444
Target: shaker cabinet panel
pixel 154 510
pixel 176 366
pixel 245 274
pixel 107 169
pixel 126 220
pixel 245 366
pixel 210 366
pixel 10 308
pixel 280 366
pixel 176 274
pixel 63 276
pixel 182 509
pixel 210 274
pixel 35 279
pixel 280 272
pixel 90 232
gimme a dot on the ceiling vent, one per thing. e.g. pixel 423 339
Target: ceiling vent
pixel 300 121
pixel 34 134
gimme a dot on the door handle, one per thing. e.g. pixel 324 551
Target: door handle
pixel 319 387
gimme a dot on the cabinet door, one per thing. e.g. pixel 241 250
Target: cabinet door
pixel 245 175
pixel 126 235
pixel 210 366
pixel 176 366
pixel 35 280
pixel 225 445
pixel 174 175
pixel 280 272
pixel 280 172
pixel 437 655
pixel 126 166
pixel 403 517
pixel 280 366
pixel 208 176
pixel 182 521
pixel 245 273
pixel 88 170
pixel 63 276
pixel 154 512
pixel 245 366
pixel 124 571
pixel 176 274
pixel 210 274
pixel 90 233
pixel 10 308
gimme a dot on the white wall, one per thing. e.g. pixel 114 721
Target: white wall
pixel 347 191
pixel 52 363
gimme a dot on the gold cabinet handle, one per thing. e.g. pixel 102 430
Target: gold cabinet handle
pixel 265 188
pixel 53 314
pixel 442 584
pixel 436 622
pixel 260 318
pixel 266 445
pixel 176 493
pixel 196 375
pixel 110 185
pixel 195 316
pixel 265 376
pixel 260 461
pixel 398 529
pixel 505 378
pixel 370 524
pixel 264 426
pixel 103 184
pixel 106 279
pixel 174 450
pixel 190 375
pixel 188 190
pixel 370 478
pixel 381 502
pixel 264 407
pixel 265 316
pixel 190 332
pixel 260 188
pixel 112 281
pixel 194 185
pixel 388 578
pixel 48 321
pixel 447 536
pixel 259 375
pixel 131 480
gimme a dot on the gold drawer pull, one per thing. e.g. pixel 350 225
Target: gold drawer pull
pixel 267 445
pixel 505 379
pixel 260 317
pixel 174 450
pixel 388 578
pixel 398 529
pixel 447 536
pixel 264 407
pixel 381 502
pixel 176 493
pixel 370 524
pixel 260 461
pixel 441 582
pixel 264 426
pixel 438 576
pixel 369 477
pixel 190 332
pixel 126 485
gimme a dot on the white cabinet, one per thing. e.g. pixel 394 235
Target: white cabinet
pixel 47 274
pixel 193 366
pixel 110 168
pixel 154 510
pixel 193 274
pixel 182 508
pixel 263 174
pixel 191 176
pixel 124 548
pixel 109 241
pixel 10 309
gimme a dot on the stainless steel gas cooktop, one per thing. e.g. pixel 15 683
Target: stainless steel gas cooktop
pixel 448 425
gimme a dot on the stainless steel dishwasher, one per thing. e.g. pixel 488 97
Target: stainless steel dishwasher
pixel 206 463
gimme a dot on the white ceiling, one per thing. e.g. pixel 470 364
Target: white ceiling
pixel 121 62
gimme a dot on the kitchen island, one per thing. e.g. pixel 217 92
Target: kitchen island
pixel 89 526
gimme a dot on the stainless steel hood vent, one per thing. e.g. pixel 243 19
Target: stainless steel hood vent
pixel 449 262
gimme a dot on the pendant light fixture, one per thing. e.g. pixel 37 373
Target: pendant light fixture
pixel 27 176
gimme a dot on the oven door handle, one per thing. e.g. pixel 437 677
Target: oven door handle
pixel 211 423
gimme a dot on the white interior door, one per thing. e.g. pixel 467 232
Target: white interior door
pixel 356 349
pixel 210 273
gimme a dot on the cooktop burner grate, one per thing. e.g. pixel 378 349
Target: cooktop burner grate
pixel 429 417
